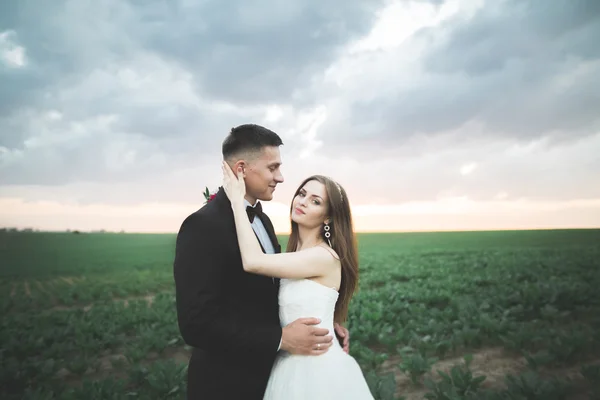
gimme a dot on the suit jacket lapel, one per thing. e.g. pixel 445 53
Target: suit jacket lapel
pixel 271 232
pixel 225 205
pixel 259 242
pixel 273 237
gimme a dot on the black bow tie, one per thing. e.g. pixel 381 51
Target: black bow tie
pixel 254 211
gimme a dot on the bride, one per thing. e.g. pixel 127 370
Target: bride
pixel 319 275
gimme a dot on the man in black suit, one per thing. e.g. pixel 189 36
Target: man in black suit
pixel 228 316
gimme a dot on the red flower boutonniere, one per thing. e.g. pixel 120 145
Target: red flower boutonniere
pixel 208 195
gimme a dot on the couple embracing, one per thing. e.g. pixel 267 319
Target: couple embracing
pixel 262 322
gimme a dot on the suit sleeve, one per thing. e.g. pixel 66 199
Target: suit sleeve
pixel 200 284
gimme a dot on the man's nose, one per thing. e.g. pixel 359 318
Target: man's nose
pixel 279 178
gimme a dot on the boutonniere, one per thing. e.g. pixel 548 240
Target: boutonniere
pixel 208 195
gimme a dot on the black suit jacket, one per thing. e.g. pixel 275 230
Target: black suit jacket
pixel 228 316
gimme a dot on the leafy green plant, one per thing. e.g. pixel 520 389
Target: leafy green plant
pixel 591 373
pixel 443 294
pixel 382 387
pixel 539 359
pixel 416 365
pixel 460 383
pixel 531 385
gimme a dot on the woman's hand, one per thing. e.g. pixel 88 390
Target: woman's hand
pixel 234 185
pixel 343 336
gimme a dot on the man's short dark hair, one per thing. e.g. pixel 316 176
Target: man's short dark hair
pixel 249 138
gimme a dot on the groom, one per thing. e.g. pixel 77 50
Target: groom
pixel 228 316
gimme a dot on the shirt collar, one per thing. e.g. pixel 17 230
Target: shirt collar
pixel 247 203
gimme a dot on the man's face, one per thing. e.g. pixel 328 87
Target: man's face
pixel 263 174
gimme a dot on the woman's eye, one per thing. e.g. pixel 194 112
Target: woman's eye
pixel 317 202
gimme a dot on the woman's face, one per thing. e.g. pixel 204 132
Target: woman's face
pixel 310 206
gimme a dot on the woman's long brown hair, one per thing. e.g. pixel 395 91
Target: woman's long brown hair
pixel 343 241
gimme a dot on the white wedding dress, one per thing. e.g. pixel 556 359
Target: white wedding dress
pixel 333 375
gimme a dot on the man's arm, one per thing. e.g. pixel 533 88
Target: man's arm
pixel 200 283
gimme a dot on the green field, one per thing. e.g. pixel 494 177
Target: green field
pixel 92 316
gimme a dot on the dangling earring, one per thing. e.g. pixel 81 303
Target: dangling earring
pixel 327 233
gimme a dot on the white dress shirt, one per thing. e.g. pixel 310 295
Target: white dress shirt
pixel 261 232
pixel 264 239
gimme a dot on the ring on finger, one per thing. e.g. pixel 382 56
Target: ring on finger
pixel 318 346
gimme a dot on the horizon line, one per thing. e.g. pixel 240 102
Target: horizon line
pixel 103 231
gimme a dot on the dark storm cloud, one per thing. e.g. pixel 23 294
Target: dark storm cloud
pixel 259 51
pixel 541 31
pixel 235 51
pixel 160 69
pixel 521 69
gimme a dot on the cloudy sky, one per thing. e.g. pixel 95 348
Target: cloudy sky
pixel 434 115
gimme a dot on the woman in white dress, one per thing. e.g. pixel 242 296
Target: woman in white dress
pixel 319 275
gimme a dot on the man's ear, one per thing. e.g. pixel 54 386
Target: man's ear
pixel 240 163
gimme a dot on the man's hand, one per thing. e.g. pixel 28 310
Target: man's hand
pixel 343 334
pixel 300 337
